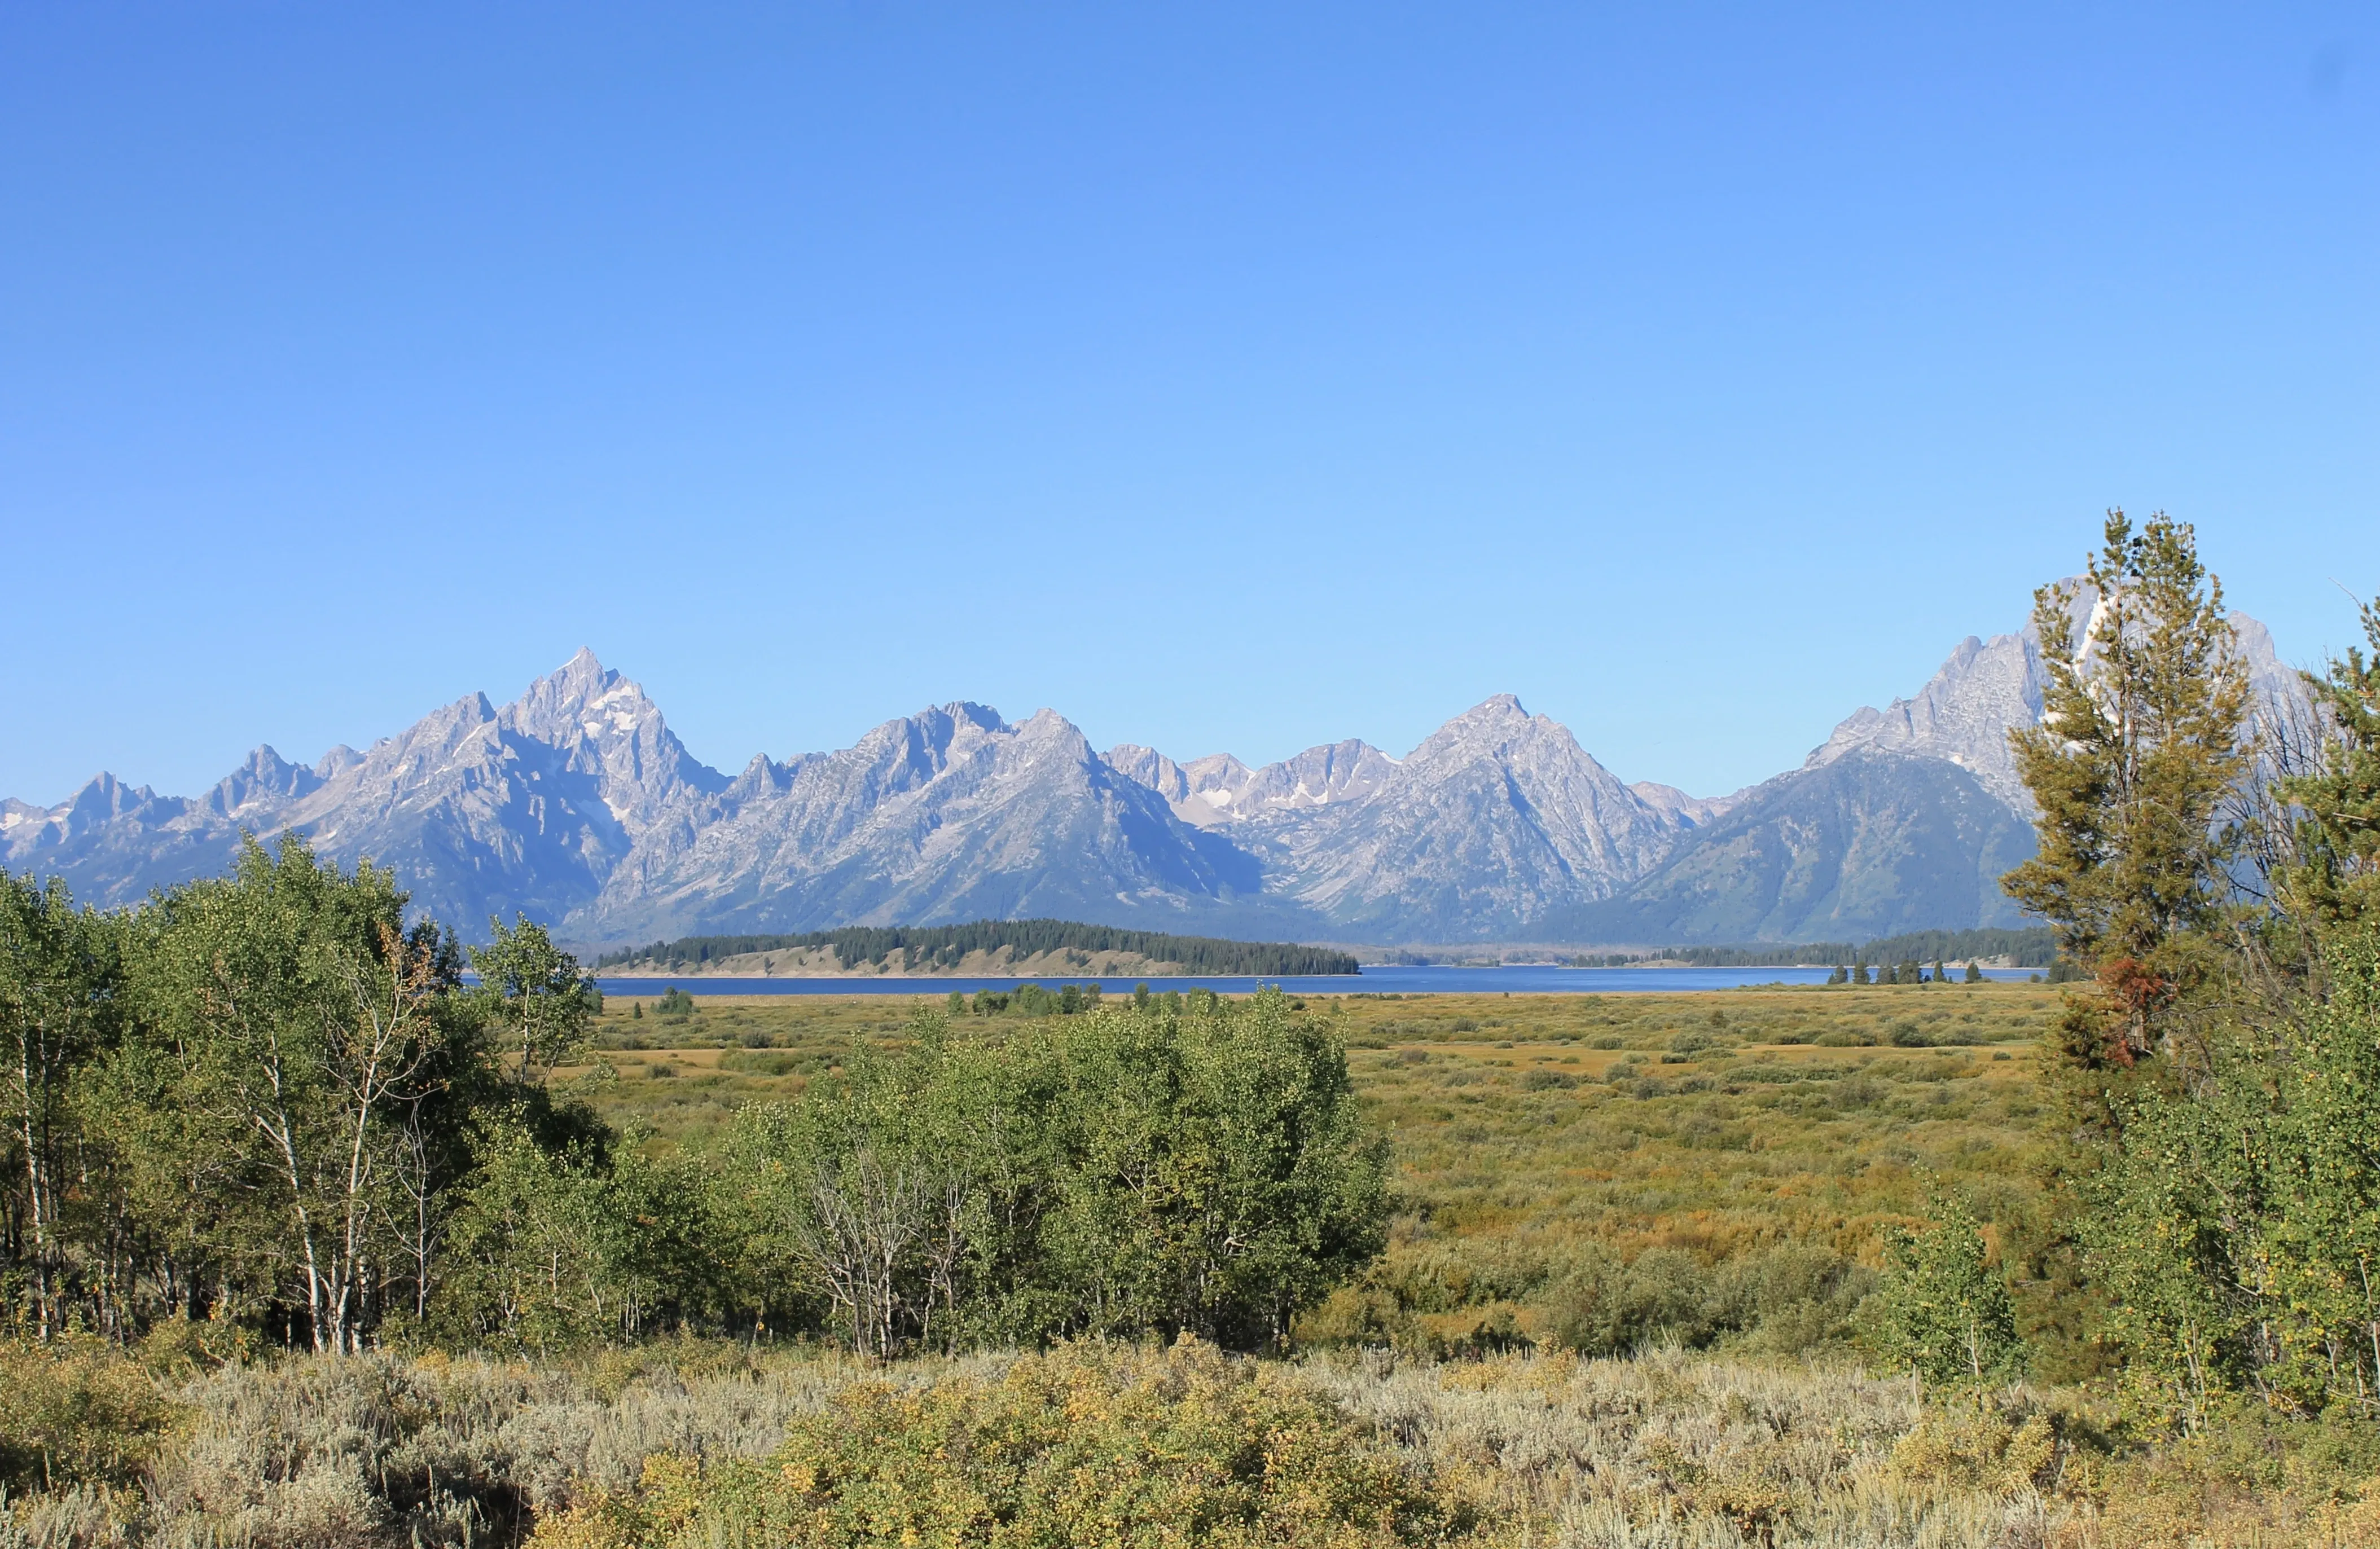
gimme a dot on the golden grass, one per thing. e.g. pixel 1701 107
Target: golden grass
pixel 1715 1122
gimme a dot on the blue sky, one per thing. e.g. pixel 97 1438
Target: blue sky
pixel 1227 377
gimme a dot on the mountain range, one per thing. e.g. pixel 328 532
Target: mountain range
pixel 576 805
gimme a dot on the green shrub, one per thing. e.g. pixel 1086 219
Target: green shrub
pixel 1116 1173
pixel 1606 1306
pixel 1088 1445
pixel 1945 1311
pixel 1787 1299
pixel 75 1412
pixel 761 1061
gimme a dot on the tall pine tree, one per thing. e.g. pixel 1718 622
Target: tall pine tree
pixel 2139 744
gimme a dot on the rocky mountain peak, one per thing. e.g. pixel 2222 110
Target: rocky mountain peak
pixel 1497 821
pixel 1331 773
pixel 1987 688
pixel 582 699
pixel 604 725
pixel 1219 788
pixel 577 804
pixel 1048 725
pixel 1500 721
pixel 1152 768
pixel 948 814
pixel 264 784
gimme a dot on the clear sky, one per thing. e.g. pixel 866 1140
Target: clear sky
pixel 1227 377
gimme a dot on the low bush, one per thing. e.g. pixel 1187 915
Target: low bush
pixel 75 1411
pixel 1083 1447
pixel 1786 1300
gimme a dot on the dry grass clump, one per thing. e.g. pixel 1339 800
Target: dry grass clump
pixel 326 1453
pixel 1676 1451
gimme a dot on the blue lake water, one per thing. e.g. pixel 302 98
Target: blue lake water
pixel 1526 979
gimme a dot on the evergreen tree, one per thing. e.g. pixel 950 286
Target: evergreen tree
pixel 2138 746
pixel 2334 884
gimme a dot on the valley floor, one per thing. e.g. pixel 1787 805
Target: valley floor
pixel 1718 1124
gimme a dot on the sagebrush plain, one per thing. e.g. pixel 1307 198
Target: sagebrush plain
pixel 1439 1399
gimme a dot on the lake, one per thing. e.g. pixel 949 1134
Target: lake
pixel 1522 979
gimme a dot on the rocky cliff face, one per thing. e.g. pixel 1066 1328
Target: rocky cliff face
pixel 1219 788
pixel 948 815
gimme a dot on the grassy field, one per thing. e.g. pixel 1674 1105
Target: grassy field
pixel 1717 1124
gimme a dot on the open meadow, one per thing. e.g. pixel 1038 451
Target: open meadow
pixel 1718 1125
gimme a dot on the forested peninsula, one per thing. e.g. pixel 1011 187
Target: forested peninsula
pixel 985 948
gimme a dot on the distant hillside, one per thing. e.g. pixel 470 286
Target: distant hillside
pixel 1869 845
pixel 993 947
